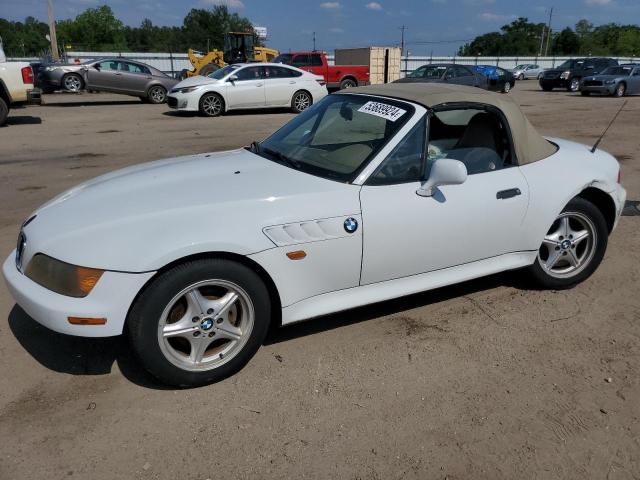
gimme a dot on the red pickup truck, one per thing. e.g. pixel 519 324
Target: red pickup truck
pixel 336 76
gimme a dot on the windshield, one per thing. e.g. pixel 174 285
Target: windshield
pixel 569 64
pixel 223 72
pixel 283 58
pixel 428 71
pixel 620 71
pixel 336 137
pixel 520 67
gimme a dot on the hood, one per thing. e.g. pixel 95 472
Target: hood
pixel 605 77
pixel 195 81
pixel 143 217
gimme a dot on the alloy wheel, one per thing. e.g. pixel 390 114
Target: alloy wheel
pixel 301 102
pixel 212 105
pixel 507 87
pixel 620 90
pixel 569 245
pixel 157 95
pixel 72 83
pixel 206 325
pixel 575 85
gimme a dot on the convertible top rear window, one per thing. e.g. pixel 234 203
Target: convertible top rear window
pixel 337 137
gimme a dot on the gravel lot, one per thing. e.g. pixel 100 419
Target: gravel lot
pixel 488 379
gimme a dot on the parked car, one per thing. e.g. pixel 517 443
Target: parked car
pixel 498 79
pixel 248 86
pixel 617 81
pixel 446 73
pixel 16 87
pixel 117 75
pixel 527 71
pixel 336 76
pixel 569 74
pixel 369 195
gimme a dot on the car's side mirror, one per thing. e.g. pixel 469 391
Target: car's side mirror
pixel 97 66
pixel 444 171
pixel 233 78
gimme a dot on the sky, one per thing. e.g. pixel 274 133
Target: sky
pixel 355 23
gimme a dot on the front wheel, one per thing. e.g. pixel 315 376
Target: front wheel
pixel 157 94
pixel 301 101
pixel 200 322
pixel 620 90
pixel 521 76
pixel 573 247
pixel 211 105
pixel 574 85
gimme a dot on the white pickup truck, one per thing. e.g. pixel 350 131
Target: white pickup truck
pixel 16 86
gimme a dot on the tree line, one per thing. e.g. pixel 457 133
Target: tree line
pixel 98 29
pixel 522 37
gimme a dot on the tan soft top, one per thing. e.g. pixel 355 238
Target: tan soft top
pixel 530 146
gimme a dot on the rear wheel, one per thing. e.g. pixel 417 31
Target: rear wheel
pixel 620 90
pixel 507 87
pixel 72 82
pixel 4 112
pixel 348 83
pixel 301 101
pixel 157 94
pixel 572 248
pixel 200 321
pixel 211 105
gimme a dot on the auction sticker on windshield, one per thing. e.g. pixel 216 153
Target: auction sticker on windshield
pixel 383 110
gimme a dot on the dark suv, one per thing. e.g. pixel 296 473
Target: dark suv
pixel 569 74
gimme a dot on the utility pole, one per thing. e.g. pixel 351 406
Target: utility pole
pixel 546 52
pixel 402 29
pixel 52 32
pixel 314 41
pixel 542 40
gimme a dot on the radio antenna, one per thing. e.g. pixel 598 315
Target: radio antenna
pixel 608 127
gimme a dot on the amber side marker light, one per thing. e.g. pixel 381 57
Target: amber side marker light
pixel 297 255
pixel 86 321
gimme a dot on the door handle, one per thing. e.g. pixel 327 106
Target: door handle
pixel 259 85
pixel 292 82
pixel 118 73
pixel 511 192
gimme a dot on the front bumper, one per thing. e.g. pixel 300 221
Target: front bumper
pixel 554 82
pixel 603 90
pixel 182 101
pixel 111 299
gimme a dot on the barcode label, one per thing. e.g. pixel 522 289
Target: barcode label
pixel 383 110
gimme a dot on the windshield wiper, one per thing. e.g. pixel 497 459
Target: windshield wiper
pixel 282 158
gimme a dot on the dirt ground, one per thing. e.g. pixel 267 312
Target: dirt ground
pixel 484 380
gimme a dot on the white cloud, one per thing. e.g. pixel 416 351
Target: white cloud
pixel 228 3
pixel 598 2
pixel 330 5
pixel 374 6
pixel 495 17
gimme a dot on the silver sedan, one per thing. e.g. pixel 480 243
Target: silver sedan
pixel 117 75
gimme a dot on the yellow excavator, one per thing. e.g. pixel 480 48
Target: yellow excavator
pixel 239 47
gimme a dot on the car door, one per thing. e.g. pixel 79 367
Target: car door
pixel 463 76
pixel 132 77
pixel 406 234
pixel 280 83
pixel 103 76
pixel 634 81
pixel 247 89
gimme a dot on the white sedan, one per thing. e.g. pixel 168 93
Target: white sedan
pixel 371 194
pixel 248 86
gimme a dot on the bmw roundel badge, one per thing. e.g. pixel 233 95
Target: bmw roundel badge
pixel 350 225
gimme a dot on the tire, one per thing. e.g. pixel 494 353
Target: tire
pixel 621 90
pixel 300 101
pixel 574 85
pixel 348 83
pixel 507 87
pixel 175 322
pixel 521 76
pixel 208 69
pixel 4 112
pixel 72 82
pixel 211 105
pixel 157 94
pixel 563 261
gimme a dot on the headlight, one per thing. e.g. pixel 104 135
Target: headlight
pixel 185 89
pixel 61 277
pixel 565 75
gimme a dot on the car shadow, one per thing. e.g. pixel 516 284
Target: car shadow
pixel 23 120
pixel 232 113
pixel 89 103
pixel 97 356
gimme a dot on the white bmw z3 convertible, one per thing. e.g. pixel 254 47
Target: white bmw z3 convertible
pixel 368 195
